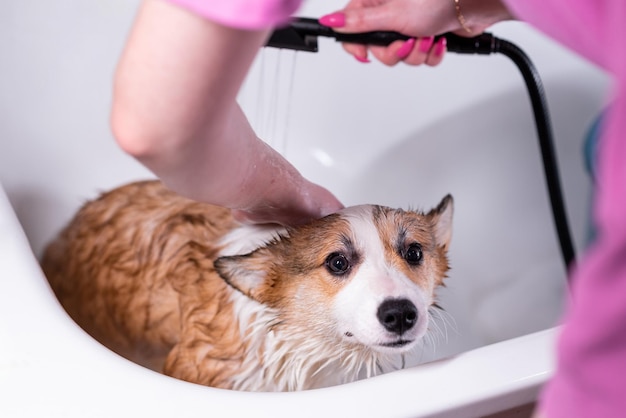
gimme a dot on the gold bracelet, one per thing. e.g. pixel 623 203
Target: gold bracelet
pixel 460 17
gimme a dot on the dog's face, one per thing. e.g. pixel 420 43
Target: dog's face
pixel 364 276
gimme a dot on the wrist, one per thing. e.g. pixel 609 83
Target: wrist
pixel 474 16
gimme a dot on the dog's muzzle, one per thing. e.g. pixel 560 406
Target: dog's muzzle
pixel 397 315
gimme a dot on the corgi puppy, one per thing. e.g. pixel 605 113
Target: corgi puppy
pixel 181 287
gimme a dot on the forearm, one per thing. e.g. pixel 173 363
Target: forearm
pixel 174 105
pixel 174 109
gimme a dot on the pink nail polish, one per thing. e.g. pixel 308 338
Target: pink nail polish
pixel 440 47
pixel 426 44
pixel 362 59
pixel 333 20
pixel 406 48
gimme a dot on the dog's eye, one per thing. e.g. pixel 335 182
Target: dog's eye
pixel 337 264
pixel 413 255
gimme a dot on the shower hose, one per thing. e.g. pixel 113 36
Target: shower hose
pixel 487 44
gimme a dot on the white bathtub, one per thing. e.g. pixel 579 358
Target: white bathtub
pixel 49 367
pixel 463 128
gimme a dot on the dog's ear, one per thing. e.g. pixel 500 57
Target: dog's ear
pixel 246 273
pixel 441 218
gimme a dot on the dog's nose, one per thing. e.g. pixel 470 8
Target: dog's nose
pixel 397 315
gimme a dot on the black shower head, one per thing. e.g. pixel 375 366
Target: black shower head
pixel 302 33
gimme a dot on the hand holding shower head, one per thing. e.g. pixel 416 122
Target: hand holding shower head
pixel 302 34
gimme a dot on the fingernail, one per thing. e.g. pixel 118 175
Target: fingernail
pixel 333 20
pixel 406 48
pixel 440 47
pixel 362 59
pixel 426 43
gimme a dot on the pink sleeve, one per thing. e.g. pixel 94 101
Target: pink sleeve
pixel 243 14
pixel 590 380
pixel 576 24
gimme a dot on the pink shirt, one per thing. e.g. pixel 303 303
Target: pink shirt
pixel 590 380
pixel 243 14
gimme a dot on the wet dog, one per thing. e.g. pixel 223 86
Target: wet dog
pixel 181 287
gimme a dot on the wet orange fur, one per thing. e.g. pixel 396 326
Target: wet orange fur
pixel 418 229
pixel 132 268
pixel 287 269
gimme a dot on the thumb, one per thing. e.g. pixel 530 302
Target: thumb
pixel 363 19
